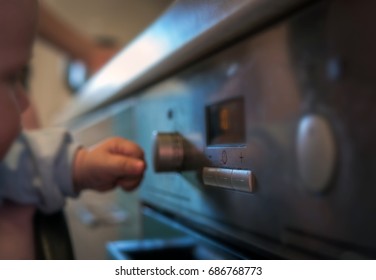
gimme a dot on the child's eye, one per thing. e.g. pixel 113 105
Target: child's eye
pixel 19 78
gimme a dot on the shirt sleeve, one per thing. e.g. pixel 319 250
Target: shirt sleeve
pixel 38 169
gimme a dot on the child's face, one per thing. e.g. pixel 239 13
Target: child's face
pixel 17 27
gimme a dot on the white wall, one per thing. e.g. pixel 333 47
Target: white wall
pixel 120 19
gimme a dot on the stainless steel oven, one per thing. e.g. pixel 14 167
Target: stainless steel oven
pixel 259 128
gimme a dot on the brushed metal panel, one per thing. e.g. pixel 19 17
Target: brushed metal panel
pixel 187 30
pixel 284 74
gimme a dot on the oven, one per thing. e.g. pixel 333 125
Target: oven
pixel 258 128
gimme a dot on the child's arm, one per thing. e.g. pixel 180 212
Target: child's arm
pixel 44 167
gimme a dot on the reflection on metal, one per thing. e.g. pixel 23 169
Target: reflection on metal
pixel 187 30
pixel 234 179
pixel 309 123
pixel 168 152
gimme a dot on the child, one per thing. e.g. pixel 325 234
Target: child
pixel 42 168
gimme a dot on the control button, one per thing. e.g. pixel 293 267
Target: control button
pixel 223 178
pixel 316 153
pixel 168 152
pixel 242 180
pixel 209 176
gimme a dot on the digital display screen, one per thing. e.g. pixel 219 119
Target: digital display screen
pixel 225 122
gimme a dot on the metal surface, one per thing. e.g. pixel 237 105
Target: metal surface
pixel 320 62
pixel 316 153
pixel 240 180
pixel 243 180
pixel 168 152
pixel 186 31
pixel 283 74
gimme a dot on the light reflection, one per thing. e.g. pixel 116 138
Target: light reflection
pixel 128 65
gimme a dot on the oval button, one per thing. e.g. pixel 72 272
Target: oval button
pixel 316 153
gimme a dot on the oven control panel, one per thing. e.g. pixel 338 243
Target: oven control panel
pixel 266 144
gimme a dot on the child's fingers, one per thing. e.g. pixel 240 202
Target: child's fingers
pixel 125 147
pixel 123 166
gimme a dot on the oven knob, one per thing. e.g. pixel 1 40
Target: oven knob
pixel 168 152
pixel 316 153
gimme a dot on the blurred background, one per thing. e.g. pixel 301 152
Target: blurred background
pixel 120 20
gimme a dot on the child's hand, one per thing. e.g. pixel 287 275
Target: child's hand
pixel 114 162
